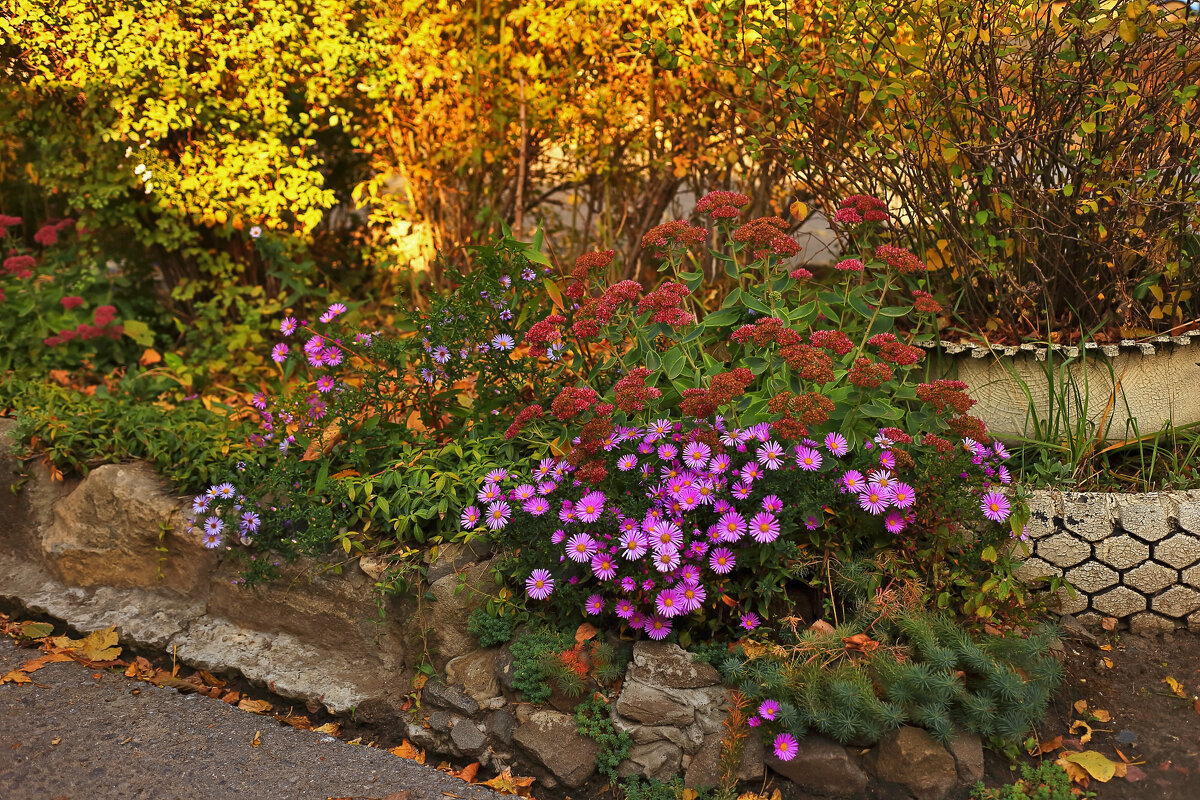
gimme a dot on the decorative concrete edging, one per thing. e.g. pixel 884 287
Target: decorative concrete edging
pixel 1135 557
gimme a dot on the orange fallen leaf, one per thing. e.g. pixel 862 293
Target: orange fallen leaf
pixel 149 356
pixel 507 783
pixel 331 728
pixel 1087 731
pixel 257 740
pixel 299 721
pixel 254 706
pixel 1175 685
pixel 1080 706
pixel 1101 715
pixel 1049 746
pixel 1109 623
pixel 21 674
pixel 406 750
pixel 861 643
pixel 1106 647
pixel 467 773
pixel 584 632
pixel 1107 662
pixel 820 627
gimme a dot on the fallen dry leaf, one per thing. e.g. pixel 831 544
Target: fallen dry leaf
pixel 96 646
pixel 1134 773
pixel 16 676
pixel 1097 765
pixel 1080 706
pixel 1109 623
pixel 1175 685
pixel 1106 647
pixel 149 356
pixel 820 628
pixel 298 721
pixel 331 728
pixel 257 740
pixel 406 750
pixel 231 698
pixel 34 630
pixel 1047 746
pixel 1107 662
pixel 467 773
pixel 584 632
pixel 1101 715
pixel 1087 729
pixel 254 706
pixel 21 674
pixel 861 643
pixel 507 783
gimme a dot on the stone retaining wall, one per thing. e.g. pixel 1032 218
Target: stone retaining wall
pixel 1135 557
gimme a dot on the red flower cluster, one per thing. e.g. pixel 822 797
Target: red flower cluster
pixel 767 235
pixel 894 351
pixel 723 388
pixel 722 204
pixel 70 302
pixel 675 233
pixel 970 427
pixel 46 235
pixel 896 436
pixel 937 443
pixel 835 342
pixel 525 416
pixel 632 393
pixel 21 266
pixel 597 311
pixel 585 268
pixel 925 304
pixel 899 259
pixel 667 304
pixel 543 333
pixel 861 208
pixel 800 274
pixel 809 363
pixel 869 374
pixel 797 412
pixel 573 401
pixel 943 394
pixel 7 222
pixel 768 330
pixel 849 265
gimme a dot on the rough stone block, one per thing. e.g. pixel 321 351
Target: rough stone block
pixel 1193 621
pixel 653 706
pixel 1063 550
pixel 1091 577
pixel 1148 623
pixel 1090 515
pixel 1035 569
pixel 1188 511
pixel 1178 601
pixel 705 766
pixel 1180 550
pixel 1119 602
pixel 1122 552
pixel 967 749
pixel 439 695
pixel 468 738
pixel 912 758
pixel 670 666
pixel 660 761
pixel 1151 577
pixel 551 738
pixel 1191 576
pixel 1043 508
pixel 455 596
pixel 476 673
pixel 1065 601
pixel 1145 515
pixel 822 767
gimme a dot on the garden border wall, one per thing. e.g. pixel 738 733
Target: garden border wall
pixel 1135 557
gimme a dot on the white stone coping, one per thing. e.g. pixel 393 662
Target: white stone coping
pixel 1147 346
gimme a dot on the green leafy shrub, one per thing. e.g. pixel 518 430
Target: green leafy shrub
pixel 534 653
pixel 1046 781
pixel 593 720
pixel 490 630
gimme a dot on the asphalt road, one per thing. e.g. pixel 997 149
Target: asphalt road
pixel 72 736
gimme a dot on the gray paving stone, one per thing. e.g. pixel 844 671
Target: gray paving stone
pixel 1119 602
pixel 1150 577
pixel 1180 550
pixel 1063 550
pixel 1178 601
pixel 1092 577
pixel 1145 515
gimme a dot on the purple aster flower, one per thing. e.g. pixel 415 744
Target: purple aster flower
pixel 764 528
pixel 689 498
pixel 658 429
pixel 324 383
pixel 740 490
pixel 666 452
pixel 853 481
pixel 722 561
pixel 624 609
pixel 691 596
pixel 770 455
pixel 812 521
pixel 873 499
pixel 658 628
pixel 489 493
pixel 441 354
pixel 211 539
pixel 279 353
pixel 627 462
pixel 497 515
pixel 536 506
pixel 666 559
pixel 696 455
pixel 249 522
pixel 754 722
pixel 580 548
pixel 750 621
pixel 750 473
pixel 768 709
pixel 590 506
pixel 1004 475
pixel 199 504
pixel 719 463
pixel 894 522
pixel 503 341
pixel 689 573
pixel 667 603
pixel 785 747
pixel 732 525
pixel 772 504
pixel 808 458
pixel 558 536
pixel 887 459
pixel 539 584
pixel 628 584
pixel 999 450
pixel 259 401
pixel 224 491
pixel 470 517
pixel 995 506
pixel 594 605
pixel 288 326
pixel 604 567
pixel 331 357
pixel 214 525
pixel 836 444
pixel 524 491
pixel 901 495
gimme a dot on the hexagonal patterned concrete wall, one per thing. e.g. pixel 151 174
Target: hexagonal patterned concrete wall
pixel 1135 557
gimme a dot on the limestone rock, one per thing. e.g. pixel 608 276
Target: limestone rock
pixel 967 750
pixel 105 532
pixel 1091 577
pixel 653 705
pixel 476 673
pixel 1090 515
pixel 1145 515
pixel 911 757
pixel 705 767
pixel 453 557
pixel 1178 601
pixel 822 767
pixel 439 695
pixel 658 760
pixel 550 738
pixel 1034 569
pixel 455 596
pixel 670 666
pixel 1063 550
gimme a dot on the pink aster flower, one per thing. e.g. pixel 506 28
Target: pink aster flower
pixel 740 491
pixel 887 459
pixel 995 506
pixel 470 517
pixel 539 584
pixel 667 603
pixel 594 605
pixel 666 452
pixel 590 506
pixel 524 491
pixel 627 462
pixel 689 498
pixel 580 548
pixel 279 353
pixel 666 559
pixel 770 455
pixel 853 481
pixel 785 747
pixel 691 596
pixel 807 458
pixel 324 383
pixel 489 493
pixel 902 495
pixel 750 473
pixel 696 455
pixel 624 609
pixel 873 499
pixel 497 515
pixel 894 522
pixel 764 528
pixel 722 561
pixel 772 504
pixel 836 444
pixel 732 525
pixel 750 621
pixel 719 464
pixel 288 326
pixel 536 506
pixel 332 312
pixel 604 567
pixel 768 709
pixel 658 628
